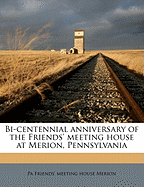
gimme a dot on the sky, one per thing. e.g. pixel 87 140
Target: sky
pixel 108 24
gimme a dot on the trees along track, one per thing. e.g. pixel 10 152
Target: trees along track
pixel 91 93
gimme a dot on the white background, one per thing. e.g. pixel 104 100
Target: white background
pixel 134 146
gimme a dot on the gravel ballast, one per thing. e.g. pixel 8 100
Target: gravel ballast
pixel 89 96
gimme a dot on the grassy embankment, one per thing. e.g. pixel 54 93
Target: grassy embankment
pixel 21 70
pixel 131 59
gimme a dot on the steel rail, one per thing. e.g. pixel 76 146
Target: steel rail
pixel 134 109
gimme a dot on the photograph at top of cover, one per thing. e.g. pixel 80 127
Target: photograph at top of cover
pixel 71 61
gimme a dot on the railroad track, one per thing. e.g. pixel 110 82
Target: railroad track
pixel 88 94
pixel 134 85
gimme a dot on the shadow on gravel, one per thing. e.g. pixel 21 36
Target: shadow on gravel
pixel 68 96
pixel 20 112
